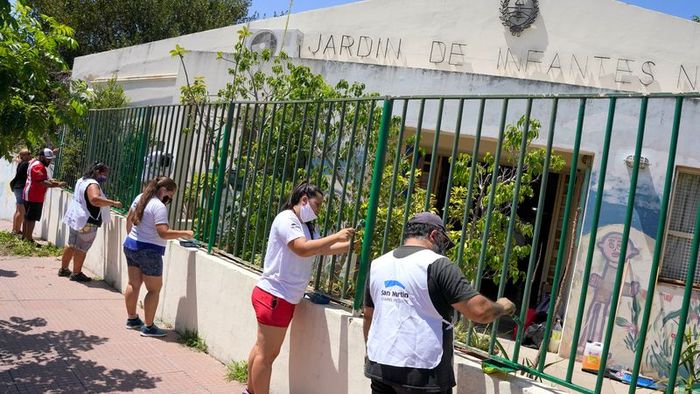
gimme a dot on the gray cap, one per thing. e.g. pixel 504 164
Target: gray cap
pixel 428 218
pixel 432 220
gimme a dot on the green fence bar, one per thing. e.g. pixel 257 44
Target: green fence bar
pixel 660 232
pixel 414 163
pixel 434 155
pixel 373 199
pixel 360 185
pixel 511 221
pixel 223 157
pixel 331 194
pixel 592 237
pixel 278 146
pixel 300 146
pixel 470 189
pixel 251 131
pixel 536 231
pixel 236 161
pixel 256 170
pixel 489 204
pixel 492 196
pixel 211 138
pixel 145 131
pixel 200 200
pixel 313 143
pixel 687 294
pixel 562 239
pixel 258 213
pixel 351 152
pixel 395 174
pixel 324 148
pixel 540 374
pixel 453 159
pixel 623 246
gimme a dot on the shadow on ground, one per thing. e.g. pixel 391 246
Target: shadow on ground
pixel 49 361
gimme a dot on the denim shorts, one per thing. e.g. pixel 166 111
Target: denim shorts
pixel 19 199
pixel 149 261
pixel 82 239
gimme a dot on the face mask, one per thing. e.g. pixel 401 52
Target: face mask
pixel 166 200
pixel 307 214
pixel 441 244
pixel 101 179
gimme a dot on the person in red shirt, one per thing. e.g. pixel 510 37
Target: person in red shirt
pixel 35 190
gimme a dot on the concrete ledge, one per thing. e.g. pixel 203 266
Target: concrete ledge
pixel 324 351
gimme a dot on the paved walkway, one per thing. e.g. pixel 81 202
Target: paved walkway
pixel 63 336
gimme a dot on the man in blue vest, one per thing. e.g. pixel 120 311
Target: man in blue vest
pixel 410 297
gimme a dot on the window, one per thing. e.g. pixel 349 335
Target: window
pixel 679 229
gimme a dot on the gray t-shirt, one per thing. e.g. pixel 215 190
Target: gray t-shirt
pixel 446 286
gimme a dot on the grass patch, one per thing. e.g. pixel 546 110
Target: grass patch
pixel 238 371
pixel 192 340
pixel 10 245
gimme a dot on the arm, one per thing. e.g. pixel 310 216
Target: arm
pixel 336 248
pixel 311 247
pixel 367 322
pixel 482 310
pixel 130 220
pixel 165 232
pixel 96 199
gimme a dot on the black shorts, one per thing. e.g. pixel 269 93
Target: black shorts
pixel 379 387
pixel 33 211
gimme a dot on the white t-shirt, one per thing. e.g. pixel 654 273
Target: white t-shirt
pixel 286 274
pixel 154 214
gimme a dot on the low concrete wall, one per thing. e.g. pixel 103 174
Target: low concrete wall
pixel 324 351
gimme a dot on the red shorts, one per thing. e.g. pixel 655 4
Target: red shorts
pixel 271 310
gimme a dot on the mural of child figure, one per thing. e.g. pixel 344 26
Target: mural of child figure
pixel 603 283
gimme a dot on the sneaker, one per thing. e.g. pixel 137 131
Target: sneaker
pixel 80 277
pixel 134 324
pixel 152 331
pixel 64 272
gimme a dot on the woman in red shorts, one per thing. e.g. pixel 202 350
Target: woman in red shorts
pixel 291 247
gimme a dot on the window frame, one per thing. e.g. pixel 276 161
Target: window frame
pixel 685 170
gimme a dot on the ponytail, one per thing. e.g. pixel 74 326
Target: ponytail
pixel 151 190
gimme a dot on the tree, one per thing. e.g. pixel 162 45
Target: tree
pixel 109 94
pixel 36 92
pixel 695 18
pixel 102 25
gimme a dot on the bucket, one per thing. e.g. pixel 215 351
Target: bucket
pixel 591 356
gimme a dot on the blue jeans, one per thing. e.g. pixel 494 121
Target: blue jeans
pixel 19 199
pixel 149 261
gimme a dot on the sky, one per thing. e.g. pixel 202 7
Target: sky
pixel 682 8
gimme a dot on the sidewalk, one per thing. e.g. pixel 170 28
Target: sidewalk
pixel 63 336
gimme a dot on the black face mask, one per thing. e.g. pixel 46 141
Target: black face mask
pixel 166 200
pixel 442 244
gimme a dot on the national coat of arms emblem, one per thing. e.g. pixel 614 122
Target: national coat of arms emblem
pixel 520 15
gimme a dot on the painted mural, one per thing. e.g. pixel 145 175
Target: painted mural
pixel 665 309
pixel 602 283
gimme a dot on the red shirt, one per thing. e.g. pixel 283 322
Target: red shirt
pixel 34 188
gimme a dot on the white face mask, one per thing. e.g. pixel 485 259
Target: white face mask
pixel 306 213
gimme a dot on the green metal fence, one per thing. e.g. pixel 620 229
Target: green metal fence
pixel 481 162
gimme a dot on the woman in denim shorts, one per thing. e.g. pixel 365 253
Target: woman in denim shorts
pixel 144 247
pixel 17 186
